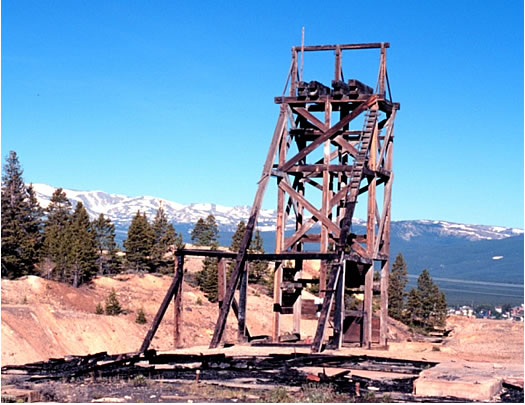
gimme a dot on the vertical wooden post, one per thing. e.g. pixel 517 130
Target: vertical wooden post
pixel 339 314
pixel 221 280
pixel 367 315
pixel 382 70
pixel 243 290
pixel 297 306
pixel 177 301
pixel 337 73
pixel 325 203
pixel 385 269
pixel 293 81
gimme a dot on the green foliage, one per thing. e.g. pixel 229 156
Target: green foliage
pixel 112 304
pixel 82 254
pixel 207 279
pixel 21 222
pixel 56 244
pixel 426 304
pixel 104 236
pixel 139 243
pixel 99 310
pixel 164 238
pixel 205 232
pixel 396 288
pixel 141 317
pixel 259 268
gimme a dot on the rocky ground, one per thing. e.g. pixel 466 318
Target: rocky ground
pixel 42 319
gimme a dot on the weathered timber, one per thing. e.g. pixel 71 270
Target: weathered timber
pixel 172 290
pixel 243 249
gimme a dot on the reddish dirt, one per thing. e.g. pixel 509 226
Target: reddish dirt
pixel 43 319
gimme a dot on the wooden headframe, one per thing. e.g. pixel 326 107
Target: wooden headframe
pixel 332 146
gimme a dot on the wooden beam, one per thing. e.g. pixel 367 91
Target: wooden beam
pixel 372 45
pixel 311 118
pixel 245 243
pixel 177 307
pixel 172 290
pixel 345 145
pixel 289 242
pixel 339 314
pixel 329 133
pixel 324 220
pixel 221 280
pixel 241 318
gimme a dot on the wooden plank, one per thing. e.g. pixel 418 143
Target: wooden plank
pixel 319 168
pixel 312 118
pixel 327 222
pixel 289 242
pixel 173 288
pixel 338 63
pixel 371 45
pixel 241 318
pixel 245 243
pixel 367 303
pixel 278 300
pixel 178 310
pixel 329 133
pixel 339 314
pixel 297 306
pixel 345 145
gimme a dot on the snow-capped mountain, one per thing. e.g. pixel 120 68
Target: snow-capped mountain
pixel 121 209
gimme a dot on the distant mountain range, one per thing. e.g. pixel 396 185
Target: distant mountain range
pixel 472 253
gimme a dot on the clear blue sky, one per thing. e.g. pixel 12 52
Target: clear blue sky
pixel 175 99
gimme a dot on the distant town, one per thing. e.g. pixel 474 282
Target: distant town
pixel 500 312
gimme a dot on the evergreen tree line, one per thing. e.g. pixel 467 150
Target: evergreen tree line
pixel 423 307
pixel 63 244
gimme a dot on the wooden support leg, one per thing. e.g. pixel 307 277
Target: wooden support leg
pixel 277 300
pixel 367 315
pixel 174 288
pixel 297 306
pixel 383 332
pixel 178 310
pixel 242 305
pixel 339 314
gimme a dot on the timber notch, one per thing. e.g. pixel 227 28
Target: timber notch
pixel 332 147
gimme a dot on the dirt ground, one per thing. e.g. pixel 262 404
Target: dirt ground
pixel 43 319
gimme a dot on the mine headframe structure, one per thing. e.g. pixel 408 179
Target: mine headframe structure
pixel 331 147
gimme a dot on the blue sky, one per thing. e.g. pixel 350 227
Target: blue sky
pixel 175 99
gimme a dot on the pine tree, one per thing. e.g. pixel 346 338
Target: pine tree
pixel 164 238
pixel 396 288
pixel 139 243
pixel 21 222
pixel 426 305
pixel 104 234
pixel 413 308
pixel 82 254
pixel 55 246
pixel 206 233
pixel 259 268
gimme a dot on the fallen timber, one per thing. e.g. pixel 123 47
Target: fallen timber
pixel 382 375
